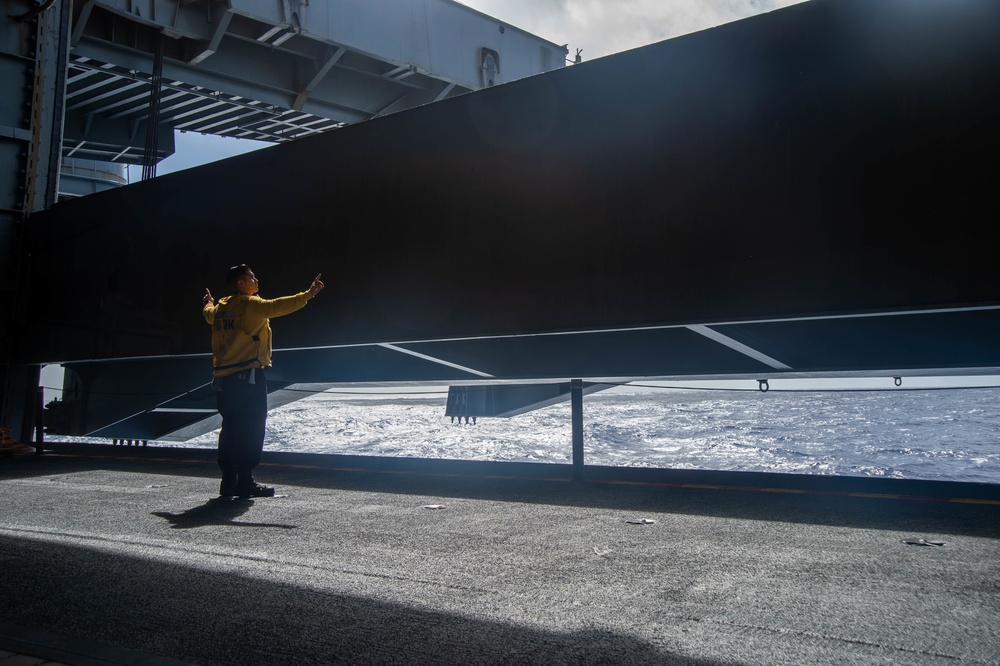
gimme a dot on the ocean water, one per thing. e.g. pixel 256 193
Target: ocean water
pixel 914 434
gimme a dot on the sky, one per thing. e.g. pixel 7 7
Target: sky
pixel 604 27
pixel 598 27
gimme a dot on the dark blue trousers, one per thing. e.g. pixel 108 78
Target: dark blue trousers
pixel 243 407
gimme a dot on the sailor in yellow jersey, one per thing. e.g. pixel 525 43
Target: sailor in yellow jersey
pixel 241 349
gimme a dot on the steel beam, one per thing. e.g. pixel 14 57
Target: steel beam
pixel 303 95
pixel 34 45
pixel 219 28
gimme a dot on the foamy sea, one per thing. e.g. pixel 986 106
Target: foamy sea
pixel 915 434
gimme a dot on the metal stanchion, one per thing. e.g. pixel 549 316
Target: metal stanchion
pixel 39 442
pixel 576 403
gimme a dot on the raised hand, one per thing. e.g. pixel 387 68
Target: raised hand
pixel 317 285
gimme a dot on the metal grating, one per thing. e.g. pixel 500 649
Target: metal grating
pixel 106 93
pixel 273 72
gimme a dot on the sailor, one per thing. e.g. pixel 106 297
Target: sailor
pixel 241 349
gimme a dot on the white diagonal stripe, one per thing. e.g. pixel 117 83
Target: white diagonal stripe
pixel 738 346
pixel 434 360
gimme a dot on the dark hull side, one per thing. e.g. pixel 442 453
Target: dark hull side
pixel 833 158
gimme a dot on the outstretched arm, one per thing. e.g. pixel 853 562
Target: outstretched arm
pixel 277 307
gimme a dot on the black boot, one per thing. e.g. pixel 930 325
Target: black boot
pixel 248 487
pixel 228 486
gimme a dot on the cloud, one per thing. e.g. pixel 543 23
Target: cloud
pixel 603 27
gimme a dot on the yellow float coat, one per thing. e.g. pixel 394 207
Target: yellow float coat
pixel 241 332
